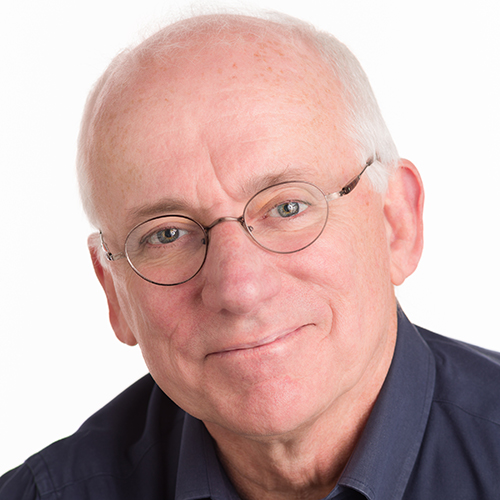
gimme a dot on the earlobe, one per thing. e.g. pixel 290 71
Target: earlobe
pixel 403 210
pixel 116 318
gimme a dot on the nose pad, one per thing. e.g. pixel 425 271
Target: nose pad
pixel 238 274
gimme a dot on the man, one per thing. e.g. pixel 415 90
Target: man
pixel 253 220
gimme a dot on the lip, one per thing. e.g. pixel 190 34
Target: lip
pixel 263 342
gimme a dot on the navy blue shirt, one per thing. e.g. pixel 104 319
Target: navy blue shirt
pixel 434 433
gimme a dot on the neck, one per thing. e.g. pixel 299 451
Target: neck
pixel 304 467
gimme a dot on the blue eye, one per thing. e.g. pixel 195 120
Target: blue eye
pixel 165 236
pixel 288 209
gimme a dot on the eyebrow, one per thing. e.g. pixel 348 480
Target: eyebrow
pixel 287 174
pixel 164 206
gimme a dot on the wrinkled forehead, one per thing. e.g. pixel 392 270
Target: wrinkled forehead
pixel 215 97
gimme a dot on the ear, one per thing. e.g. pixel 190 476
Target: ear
pixel 403 210
pixel 116 317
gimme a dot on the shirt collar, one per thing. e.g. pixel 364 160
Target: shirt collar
pixel 380 465
pixel 382 461
pixel 200 474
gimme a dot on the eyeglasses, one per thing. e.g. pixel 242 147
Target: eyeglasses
pixel 284 218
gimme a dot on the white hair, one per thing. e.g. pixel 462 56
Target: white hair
pixel 363 123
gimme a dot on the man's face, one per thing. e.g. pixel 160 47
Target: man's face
pixel 257 343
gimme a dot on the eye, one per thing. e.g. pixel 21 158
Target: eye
pixel 164 236
pixel 288 209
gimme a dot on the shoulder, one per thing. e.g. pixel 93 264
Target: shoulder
pixel 118 453
pixel 460 451
pixel 18 484
pixel 467 376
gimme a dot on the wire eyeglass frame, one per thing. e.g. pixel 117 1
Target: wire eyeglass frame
pixel 347 189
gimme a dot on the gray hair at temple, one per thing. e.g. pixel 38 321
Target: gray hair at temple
pixel 363 125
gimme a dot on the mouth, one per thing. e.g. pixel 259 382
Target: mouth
pixel 261 343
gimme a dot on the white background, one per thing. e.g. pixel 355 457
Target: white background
pixel 435 68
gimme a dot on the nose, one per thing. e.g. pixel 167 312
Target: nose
pixel 238 275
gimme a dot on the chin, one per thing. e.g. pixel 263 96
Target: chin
pixel 279 411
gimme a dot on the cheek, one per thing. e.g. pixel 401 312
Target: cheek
pixel 167 332
pixel 362 242
pixel 171 358
pixel 347 261
pixel 150 315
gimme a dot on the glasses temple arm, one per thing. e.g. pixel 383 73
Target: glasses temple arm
pixel 106 251
pixel 350 185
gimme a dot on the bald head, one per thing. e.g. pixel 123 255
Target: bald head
pixel 183 56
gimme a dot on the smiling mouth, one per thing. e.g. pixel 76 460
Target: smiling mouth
pixel 266 341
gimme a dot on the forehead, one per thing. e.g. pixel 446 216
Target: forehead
pixel 217 120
